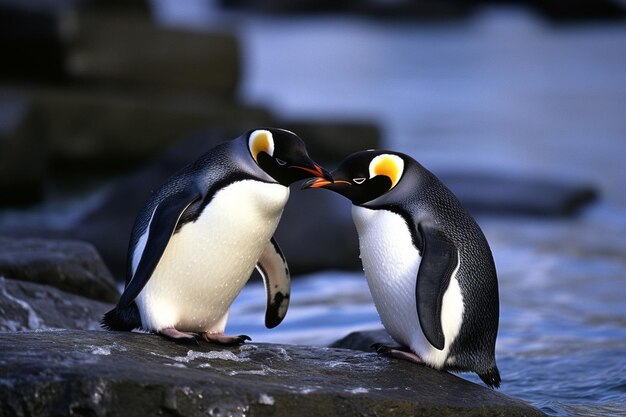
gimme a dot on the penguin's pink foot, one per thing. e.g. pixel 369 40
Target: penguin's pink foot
pixel 178 336
pixel 398 352
pixel 222 339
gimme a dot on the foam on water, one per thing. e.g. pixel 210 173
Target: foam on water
pixel 358 390
pixel 266 399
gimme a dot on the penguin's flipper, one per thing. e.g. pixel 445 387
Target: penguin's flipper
pixel 162 226
pixel 439 261
pixel 273 268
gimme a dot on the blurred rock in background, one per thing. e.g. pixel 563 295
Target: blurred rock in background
pixel 94 92
pixel 22 150
pixel 554 10
pixel 99 106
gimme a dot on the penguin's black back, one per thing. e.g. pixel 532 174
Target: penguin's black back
pixel 421 197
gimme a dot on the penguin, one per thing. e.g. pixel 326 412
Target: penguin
pixel 198 238
pixel 427 263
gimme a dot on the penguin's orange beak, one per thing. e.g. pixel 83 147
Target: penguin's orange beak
pixel 316 183
pixel 318 171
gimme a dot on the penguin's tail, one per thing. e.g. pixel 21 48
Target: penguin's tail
pixel 122 319
pixel 491 377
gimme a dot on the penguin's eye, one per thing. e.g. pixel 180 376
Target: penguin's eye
pixel 388 165
pixel 358 181
pixel 280 162
pixel 261 141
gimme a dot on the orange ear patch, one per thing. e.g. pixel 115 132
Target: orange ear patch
pixel 261 141
pixel 388 165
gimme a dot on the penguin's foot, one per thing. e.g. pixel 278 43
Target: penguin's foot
pixel 222 339
pixel 178 336
pixel 398 352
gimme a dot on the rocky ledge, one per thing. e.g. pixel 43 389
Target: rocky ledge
pixel 95 373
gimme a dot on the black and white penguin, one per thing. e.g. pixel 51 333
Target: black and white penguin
pixel 428 265
pixel 200 235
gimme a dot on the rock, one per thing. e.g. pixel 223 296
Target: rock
pixel 579 10
pixel 287 6
pixel 128 49
pixel 415 9
pixel 112 46
pixel 494 193
pixel 316 233
pixel 137 6
pixel 33 29
pixel 107 131
pixel 132 374
pixel 331 141
pixel 363 340
pixel 22 150
pixel 70 266
pixel 29 306
pixel 418 9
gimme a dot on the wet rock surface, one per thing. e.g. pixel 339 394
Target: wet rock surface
pixel 363 340
pixel 131 374
pixel 71 266
pixel 30 306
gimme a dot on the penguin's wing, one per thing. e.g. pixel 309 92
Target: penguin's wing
pixel 162 226
pixel 439 261
pixel 275 272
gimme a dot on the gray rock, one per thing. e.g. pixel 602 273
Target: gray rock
pixel 579 10
pixel 403 9
pixel 131 374
pixel 316 233
pixel 115 47
pixel 70 266
pixel 493 193
pixel 331 141
pixel 363 340
pixel 112 46
pixel 108 130
pixel 22 150
pixel 29 41
pixel 29 306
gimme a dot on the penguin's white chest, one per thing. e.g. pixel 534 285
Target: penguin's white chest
pixel 207 262
pixel 391 264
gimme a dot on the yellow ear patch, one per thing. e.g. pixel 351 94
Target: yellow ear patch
pixel 389 165
pixel 261 141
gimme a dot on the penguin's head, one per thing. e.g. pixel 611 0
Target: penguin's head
pixel 282 155
pixel 364 176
